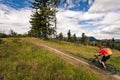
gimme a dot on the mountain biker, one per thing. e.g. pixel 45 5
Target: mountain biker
pixel 106 52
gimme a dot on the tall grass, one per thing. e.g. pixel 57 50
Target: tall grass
pixel 83 52
pixel 72 48
pixel 24 61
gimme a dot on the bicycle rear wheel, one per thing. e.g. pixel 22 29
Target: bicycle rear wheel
pixel 111 68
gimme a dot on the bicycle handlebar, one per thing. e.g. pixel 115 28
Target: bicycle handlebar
pixel 96 56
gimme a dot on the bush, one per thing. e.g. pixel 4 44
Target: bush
pixel 3 35
pixel 1 41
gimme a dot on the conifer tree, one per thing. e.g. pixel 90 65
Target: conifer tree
pixel 69 35
pixel 60 36
pixel 84 39
pixel 74 38
pixel 44 15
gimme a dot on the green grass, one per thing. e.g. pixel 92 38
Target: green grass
pixel 24 61
pixel 82 52
pixel 72 48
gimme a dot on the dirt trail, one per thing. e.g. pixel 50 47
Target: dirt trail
pixel 71 59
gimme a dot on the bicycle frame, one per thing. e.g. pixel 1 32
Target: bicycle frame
pixel 97 62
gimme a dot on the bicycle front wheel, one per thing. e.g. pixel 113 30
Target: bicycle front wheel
pixel 111 68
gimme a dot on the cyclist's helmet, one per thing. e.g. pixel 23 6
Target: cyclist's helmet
pixel 101 47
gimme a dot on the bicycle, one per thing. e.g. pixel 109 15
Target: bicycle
pixel 97 62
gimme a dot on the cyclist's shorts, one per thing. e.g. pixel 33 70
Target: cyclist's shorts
pixel 105 58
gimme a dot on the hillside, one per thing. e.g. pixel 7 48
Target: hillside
pixel 80 51
pixel 21 60
pixel 71 49
pixel 26 60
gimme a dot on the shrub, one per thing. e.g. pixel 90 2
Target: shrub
pixel 1 41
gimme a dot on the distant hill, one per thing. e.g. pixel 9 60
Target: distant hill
pixel 91 38
pixel 117 40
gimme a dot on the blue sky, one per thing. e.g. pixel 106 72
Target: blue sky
pixel 99 18
pixel 17 4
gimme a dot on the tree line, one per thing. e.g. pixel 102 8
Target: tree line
pixel 85 40
pixel 12 34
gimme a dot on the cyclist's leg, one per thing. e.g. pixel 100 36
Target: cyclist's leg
pixel 104 59
pixel 107 57
pixel 103 64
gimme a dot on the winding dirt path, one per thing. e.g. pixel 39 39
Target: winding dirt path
pixel 71 59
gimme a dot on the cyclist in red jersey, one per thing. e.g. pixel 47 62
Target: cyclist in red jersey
pixel 105 57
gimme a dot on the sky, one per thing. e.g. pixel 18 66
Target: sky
pixel 98 18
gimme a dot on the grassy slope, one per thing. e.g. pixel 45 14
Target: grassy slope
pixel 83 52
pixel 20 60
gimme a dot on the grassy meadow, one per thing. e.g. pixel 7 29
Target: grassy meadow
pixel 20 60
pixel 82 52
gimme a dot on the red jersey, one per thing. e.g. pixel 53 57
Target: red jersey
pixel 103 52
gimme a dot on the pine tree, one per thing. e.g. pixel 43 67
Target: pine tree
pixel 43 17
pixel 84 39
pixel 74 38
pixel 12 33
pixel 69 35
pixel 60 36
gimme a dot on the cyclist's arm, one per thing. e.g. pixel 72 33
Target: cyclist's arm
pixel 97 54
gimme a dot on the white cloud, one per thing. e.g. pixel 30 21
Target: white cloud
pixel 91 16
pixel 90 2
pixel 17 20
pixel 108 26
pixel 68 20
pixel 102 20
pixel 70 4
pixel 111 18
pixel 105 6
